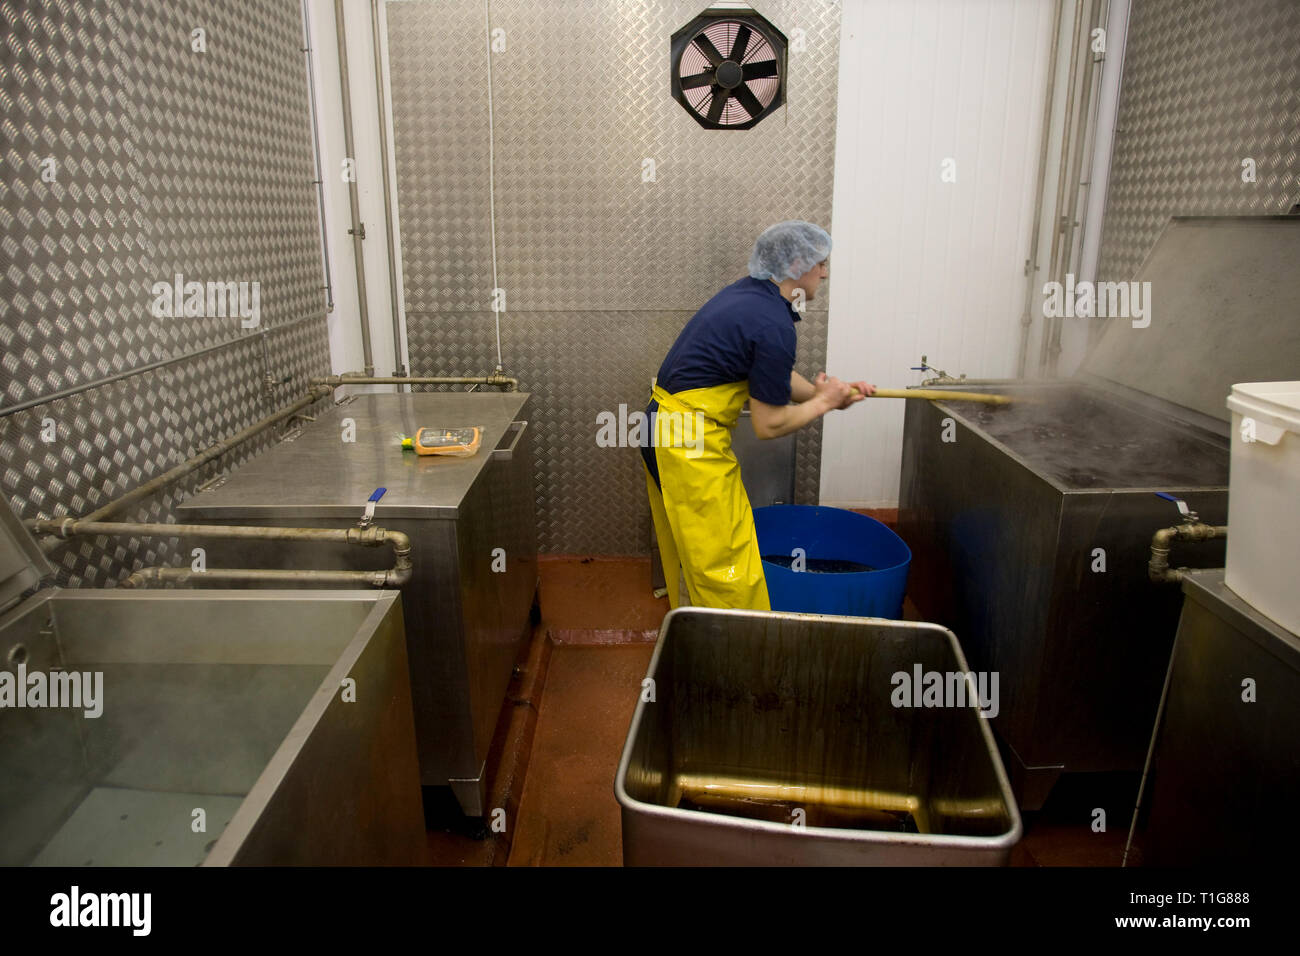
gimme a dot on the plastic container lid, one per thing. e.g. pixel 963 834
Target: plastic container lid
pixel 1275 407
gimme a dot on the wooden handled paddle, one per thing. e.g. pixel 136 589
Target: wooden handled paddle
pixel 942 395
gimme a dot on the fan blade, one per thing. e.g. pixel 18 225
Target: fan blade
pixel 748 100
pixel 757 71
pixel 699 79
pixel 708 49
pixel 719 103
pixel 742 41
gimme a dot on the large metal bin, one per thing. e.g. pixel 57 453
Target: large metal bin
pixel 1030 525
pixel 473 538
pixel 230 703
pixel 764 738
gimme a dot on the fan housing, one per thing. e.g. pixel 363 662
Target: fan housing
pixel 728 68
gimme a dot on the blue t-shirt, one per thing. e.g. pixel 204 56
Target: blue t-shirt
pixel 744 333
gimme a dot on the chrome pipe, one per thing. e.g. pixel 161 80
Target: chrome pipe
pixel 1062 166
pixel 354 199
pixel 1082 135
pixel 1099 64
pixel 1146 766
pixel 316 156
pixel 400 369
pixel 393 578
pixel 184 468
pixel 1031 264
pixel 1117 17
pixel 371 537
pixel 351 378
pixel 1158 569
pixel 150 367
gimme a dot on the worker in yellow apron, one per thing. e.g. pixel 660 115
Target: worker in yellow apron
pixel 740 346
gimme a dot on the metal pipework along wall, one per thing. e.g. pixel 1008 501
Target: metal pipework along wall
pixel 1206 85
pixel 600 267
pixel 136 157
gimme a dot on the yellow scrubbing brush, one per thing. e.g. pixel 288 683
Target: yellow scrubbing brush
pixel 457 442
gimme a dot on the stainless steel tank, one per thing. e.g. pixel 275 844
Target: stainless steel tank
pixel 202 728
pixel 1030 524
pixel 473 535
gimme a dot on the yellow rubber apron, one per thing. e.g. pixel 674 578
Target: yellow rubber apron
pixel 701 512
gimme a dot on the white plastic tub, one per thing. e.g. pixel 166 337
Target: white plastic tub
pixel 1263 562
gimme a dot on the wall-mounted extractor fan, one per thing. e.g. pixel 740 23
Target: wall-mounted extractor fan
pixel 729 68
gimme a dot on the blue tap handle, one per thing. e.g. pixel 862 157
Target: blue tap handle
pixel 368 517
pixel 1183 510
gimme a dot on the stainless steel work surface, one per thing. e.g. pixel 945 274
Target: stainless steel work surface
pixel 1208 588
pixel 333 477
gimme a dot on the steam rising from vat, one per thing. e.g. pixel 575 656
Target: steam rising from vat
pixel 1081 440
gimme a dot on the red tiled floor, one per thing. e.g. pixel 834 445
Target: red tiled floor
pixel 595 593
pixel 1061 833
pixel 568 815
pixel 1048 843
pixel 587 604
pixel 887 516
pixel 584 696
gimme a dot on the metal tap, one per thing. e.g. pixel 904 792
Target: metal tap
pixel 943 378
pixel 1191 529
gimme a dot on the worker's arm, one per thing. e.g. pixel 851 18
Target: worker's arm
pixel 773 421
pixel 801 390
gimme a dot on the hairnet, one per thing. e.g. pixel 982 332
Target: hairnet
pixel 788 250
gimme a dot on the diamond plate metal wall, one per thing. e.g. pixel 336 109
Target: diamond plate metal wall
pixel 1206 85
pixel 166 161
pixel 600 268
pixel 440 127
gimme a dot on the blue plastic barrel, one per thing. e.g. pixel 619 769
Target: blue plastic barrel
pixel 838 535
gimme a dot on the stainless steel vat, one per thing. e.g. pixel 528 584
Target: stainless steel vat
pixel 1224 768
pixel 1004 548
pixel 231 703
pixel 474 548
pixel 796 712
pixel 1030 524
